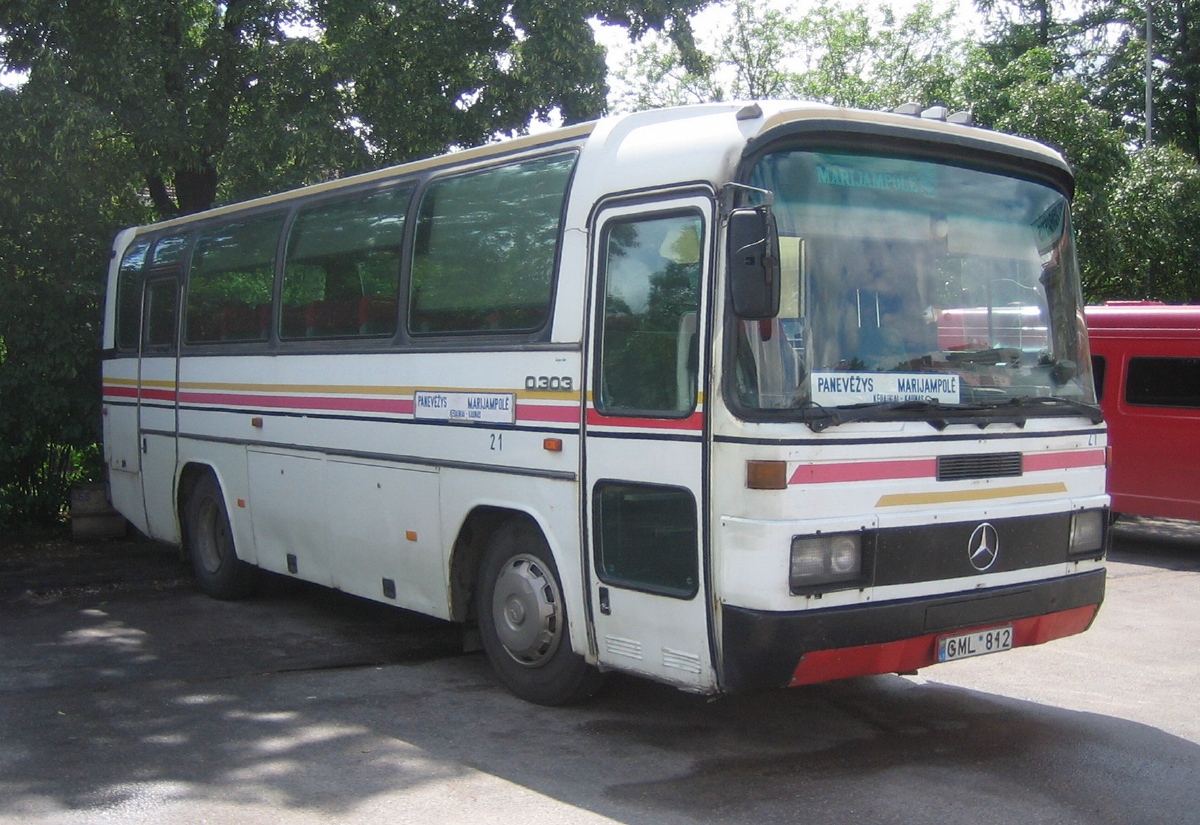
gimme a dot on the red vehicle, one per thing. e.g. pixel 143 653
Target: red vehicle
pixel 1146 361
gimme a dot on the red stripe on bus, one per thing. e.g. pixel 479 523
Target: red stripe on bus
pixel 864 471
pixel 402 406
pixel 120 392
pixel 907 655
pixel 540 412
pixel 694 422
pixel 1068 460
pixel 377 405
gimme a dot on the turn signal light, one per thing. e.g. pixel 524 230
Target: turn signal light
pixel 766 475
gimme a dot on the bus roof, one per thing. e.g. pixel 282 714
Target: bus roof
pixel 1134 315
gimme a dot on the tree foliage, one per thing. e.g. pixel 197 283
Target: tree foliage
pixel 1155 215
pixel 64 185
pixel 223 100
pixel 860 54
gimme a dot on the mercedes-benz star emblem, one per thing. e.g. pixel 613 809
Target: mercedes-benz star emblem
pixel 983 547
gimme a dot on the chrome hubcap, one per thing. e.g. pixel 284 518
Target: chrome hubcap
pixel 527 611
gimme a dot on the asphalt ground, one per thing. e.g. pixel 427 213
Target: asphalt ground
pixel 127 696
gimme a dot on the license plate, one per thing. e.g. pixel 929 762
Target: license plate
pixel 979 643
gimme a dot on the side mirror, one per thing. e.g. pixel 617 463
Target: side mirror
pixel 753 263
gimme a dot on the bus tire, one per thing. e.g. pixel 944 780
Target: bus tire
pixel 523 620
pixel 220 573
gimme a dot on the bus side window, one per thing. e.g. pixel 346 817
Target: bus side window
pixel 486 244
pixel 341 277
pixel 129 295
pixel 1163 382
pixel 231 281
pixel 162 307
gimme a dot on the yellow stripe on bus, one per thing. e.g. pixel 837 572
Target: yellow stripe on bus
pixel 902 499
pixel 368 389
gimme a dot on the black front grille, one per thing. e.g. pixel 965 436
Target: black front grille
pixel 936 552
pixel 990 465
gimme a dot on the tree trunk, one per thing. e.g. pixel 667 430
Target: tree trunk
pixel 195 189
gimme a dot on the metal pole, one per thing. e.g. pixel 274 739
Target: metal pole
pixel 1149 66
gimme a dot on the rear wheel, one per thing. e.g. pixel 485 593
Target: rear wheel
pixel 220 573
pixel 523 620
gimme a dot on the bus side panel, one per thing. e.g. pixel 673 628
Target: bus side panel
pixel 1155 464
pixel 325 458
pixel 289 511
pixel 122 453
pixel 385 536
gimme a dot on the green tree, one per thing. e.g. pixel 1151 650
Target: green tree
pixel 1175 75
pixel 871 57
pixel 65 182
pixel 851 55
pixel 222 100
pixel 1102 45
pixel 1156 221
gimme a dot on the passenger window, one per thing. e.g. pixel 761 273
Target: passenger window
pixel 168 251
pixel 647 538
pixel 1163 382
pixel 161 310
pixel 485 249
pixel 129 295
pixel 648 348
pixel 343 268
pixel 230 285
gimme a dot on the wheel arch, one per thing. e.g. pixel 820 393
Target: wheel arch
pixel 189 475
pixel 466 555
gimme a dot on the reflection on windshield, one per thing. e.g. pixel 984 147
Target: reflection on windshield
pixel 913 281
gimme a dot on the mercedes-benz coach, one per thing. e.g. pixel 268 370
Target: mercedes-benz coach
pixel 724 396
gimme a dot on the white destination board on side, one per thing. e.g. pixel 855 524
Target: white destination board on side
pixel 832 389
pixel 465 407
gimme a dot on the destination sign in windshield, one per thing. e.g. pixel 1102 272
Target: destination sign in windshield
pixel 839 389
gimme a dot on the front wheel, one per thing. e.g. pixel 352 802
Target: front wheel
pixel 220 573
pixel 523 620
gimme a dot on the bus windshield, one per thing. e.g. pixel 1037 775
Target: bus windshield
pixel 913 283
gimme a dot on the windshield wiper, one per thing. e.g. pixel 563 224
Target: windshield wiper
pixel 837 417
pixel 1091 412
pixel 992 413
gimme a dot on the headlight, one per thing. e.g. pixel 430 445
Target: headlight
pixel 1087 532
pixel 818 560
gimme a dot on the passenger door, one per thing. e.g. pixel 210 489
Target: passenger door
pixel 645 439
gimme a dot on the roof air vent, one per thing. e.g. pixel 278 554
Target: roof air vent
pixel 751 112
pixel 962 118
pixel 913 109
pixel 935 113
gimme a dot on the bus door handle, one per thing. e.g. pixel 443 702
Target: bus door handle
pixel 605 607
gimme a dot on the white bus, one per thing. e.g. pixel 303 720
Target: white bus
pixel 667 393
